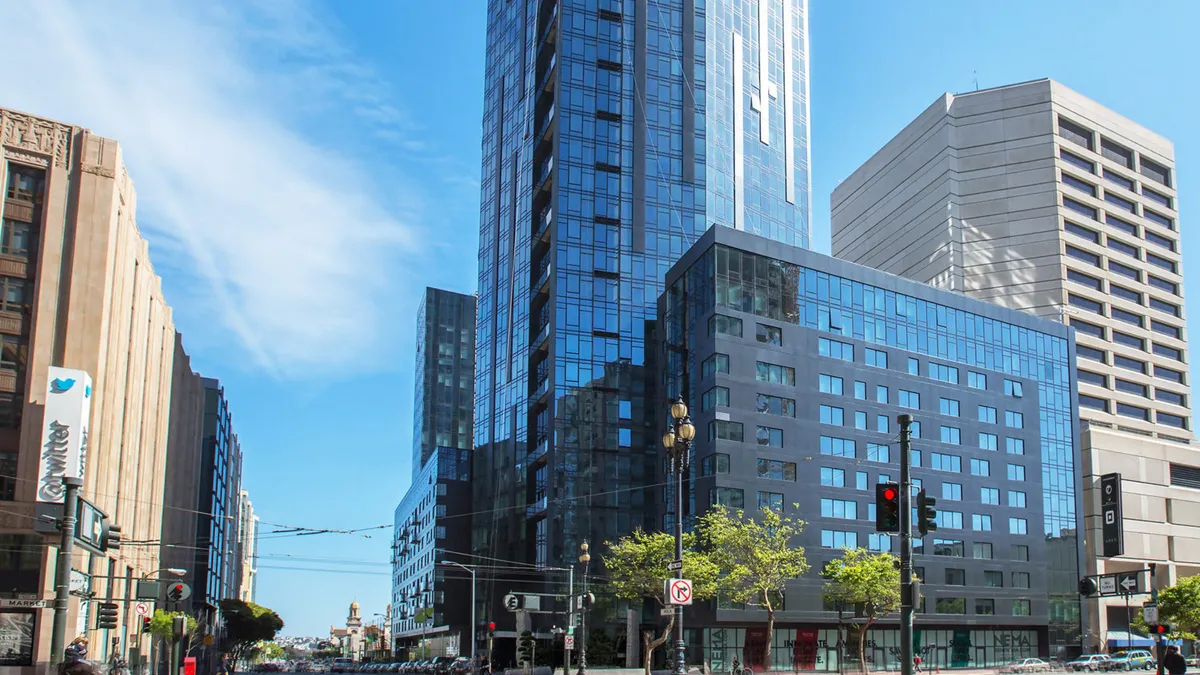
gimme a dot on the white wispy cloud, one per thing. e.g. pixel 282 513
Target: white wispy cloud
pixel 240 124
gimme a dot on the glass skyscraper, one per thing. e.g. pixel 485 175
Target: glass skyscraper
pixel 615 133
pixel 445 372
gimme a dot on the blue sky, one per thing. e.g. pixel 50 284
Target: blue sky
pixel 305 169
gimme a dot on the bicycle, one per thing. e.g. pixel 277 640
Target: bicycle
pixel 741 670
pixel 117 666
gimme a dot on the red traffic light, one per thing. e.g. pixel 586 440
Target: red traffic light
pixel 889 494
pixel 1161 630
pixel 491 625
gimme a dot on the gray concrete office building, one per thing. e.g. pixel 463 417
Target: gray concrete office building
pixel 444 396
pixel 1034 197
pixel 796 365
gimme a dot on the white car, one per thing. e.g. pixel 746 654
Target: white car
pixel 1026 666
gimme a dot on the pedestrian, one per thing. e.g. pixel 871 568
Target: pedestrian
pixel 1173 662
pixel 917 664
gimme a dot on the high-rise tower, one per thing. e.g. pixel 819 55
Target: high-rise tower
pixel 614 134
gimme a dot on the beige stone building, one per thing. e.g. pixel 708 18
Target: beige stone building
pixel 79 291
pixel 1160 482
pixel 1035 197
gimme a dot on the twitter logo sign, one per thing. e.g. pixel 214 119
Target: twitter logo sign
pixel 61 385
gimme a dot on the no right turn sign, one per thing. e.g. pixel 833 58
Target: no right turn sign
pixel 679 591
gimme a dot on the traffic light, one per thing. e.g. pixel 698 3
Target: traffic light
pixel 1087 586
pixel 926 514
pixel 110 536
pixel 525 647
pixel 491 629
pixel 145 624
pixel 175 592
pixel 887 507
pixel 106 615
pixel 1161 629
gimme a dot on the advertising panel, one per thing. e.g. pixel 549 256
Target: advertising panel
pixel 16 638
pixel 64 431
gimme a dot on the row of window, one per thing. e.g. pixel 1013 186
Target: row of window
pixel 1129 387
pixel 1114 201
pixel 1114 245
pixel 1113 266
pixel 1114 177
pixel 1113 151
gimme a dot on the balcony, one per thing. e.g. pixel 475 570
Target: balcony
pixel 540 338
pixel 545 126
pixel 538 452
pixel 544 172
pixel 537 508
pixel 543 279
pixel 543 224
pixel 551 26
pixel 548 78
pixel 542 388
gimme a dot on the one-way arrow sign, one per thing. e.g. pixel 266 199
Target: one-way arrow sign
pixel 1128 582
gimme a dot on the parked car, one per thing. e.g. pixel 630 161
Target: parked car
pixel 1089 662
pixel 1026 666
pixel 1134 659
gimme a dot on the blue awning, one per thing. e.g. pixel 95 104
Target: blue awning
pixel 1119 639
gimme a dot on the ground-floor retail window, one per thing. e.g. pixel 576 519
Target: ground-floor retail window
pixel 800 649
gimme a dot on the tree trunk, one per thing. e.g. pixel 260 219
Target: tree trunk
pixel 649 645
pixel 862 644
pixel 767 663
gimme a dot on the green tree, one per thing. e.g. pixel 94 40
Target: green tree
pixel 756 558
pixel 162 630
pixel 1179 608
pixel 247 624
pixel 273 652
pixel 637 569
pixel 867 580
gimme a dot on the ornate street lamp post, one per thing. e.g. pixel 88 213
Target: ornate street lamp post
pixel 585 559
pixel 678 443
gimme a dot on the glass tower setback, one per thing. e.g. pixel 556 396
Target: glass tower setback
pixel 614 134
pixel 445 374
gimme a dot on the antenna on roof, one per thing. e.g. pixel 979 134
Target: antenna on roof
pixel 976 74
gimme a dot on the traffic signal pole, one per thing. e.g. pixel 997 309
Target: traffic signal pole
pixel 907 601
pixel 1159 651
pixel 62 573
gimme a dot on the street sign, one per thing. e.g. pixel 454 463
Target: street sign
pixel 512 603
pixel 666 611
pixel 569 642
pixel 142 609
pixel 675 565
pixel 1150 614
pixel 78 582
pixel 1108 585
pixel 1128 582
pixel 1112 521
pixel 24 604
pixel 679 591
pixel 149 590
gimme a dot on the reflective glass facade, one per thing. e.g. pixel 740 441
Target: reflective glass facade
pixel 614 134
pixel 216 569
pixel 862 341
pixel 444 386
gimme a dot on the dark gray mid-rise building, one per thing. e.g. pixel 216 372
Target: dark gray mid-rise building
pixel 444 387
pixel 796 365
pixel 614 134
pixel 432 525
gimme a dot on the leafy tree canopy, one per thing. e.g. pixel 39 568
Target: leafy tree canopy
pixel 637 566
pixel 247 624
pixel 861 577
pixel 755 555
